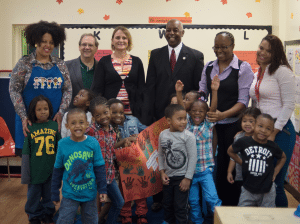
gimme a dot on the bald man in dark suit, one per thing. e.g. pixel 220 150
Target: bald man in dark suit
pixel 167 65
pixel 160 82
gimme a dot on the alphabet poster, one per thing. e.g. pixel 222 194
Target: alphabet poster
pixel 140 176
pixel 146 37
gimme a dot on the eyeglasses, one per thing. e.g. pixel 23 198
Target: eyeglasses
pixel 87 45
pixel 222 48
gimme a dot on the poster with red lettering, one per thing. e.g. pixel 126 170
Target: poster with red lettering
pixel 248 56
pixel 101 53
pixel 138 168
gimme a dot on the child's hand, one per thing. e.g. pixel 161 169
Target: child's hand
pixel 185 184
pixel 130 140
pixel 215 83
pixel 230 178
pixel 179 86
pixel 165 179
pixel 56 203
pixel 103 198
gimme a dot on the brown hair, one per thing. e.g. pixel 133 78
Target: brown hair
pixel 128 35
pixel 89 35
pixel 278 56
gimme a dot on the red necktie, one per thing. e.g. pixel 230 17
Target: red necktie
pixel 173 60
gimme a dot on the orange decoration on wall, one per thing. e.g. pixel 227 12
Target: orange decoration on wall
pixel 187 14
pixel 59 1
pixel 80 11
pixel 106 17
pixel 224 2
pixel 119 2
pixel 101 53
pixel 249 14
pixel 248 56
pixel 166 19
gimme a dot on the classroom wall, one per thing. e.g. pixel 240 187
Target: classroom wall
pixel 292 20
pixel 205 12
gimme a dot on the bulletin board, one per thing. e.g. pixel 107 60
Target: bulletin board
pixel 292 49
pixel 147 37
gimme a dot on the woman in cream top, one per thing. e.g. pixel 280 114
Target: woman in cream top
pixel 273 92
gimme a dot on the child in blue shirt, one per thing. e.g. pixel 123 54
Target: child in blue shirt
pixel 125 126
pixel 79 163
pixel 203 131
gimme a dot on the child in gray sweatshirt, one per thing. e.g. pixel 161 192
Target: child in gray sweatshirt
pixel 177 157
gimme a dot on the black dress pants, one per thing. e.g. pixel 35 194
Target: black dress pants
pixel 228 193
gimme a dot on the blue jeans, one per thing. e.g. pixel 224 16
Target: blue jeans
pixel 39 200
pixel 68 209
pixel 286 142
pixel 117 202
pixel 205 180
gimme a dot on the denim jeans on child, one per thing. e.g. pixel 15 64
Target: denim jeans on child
pixel 286 140
pixel 35 207
pixel 68 209
pixel 117 202
pixel 205 181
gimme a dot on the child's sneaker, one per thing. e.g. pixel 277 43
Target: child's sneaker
pixel 48 219
pixel 142 219
pixel 35 221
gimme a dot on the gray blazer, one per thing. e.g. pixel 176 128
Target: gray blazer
pixel 76 76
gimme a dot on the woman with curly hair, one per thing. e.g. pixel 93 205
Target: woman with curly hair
pixel 121 75
pixel 273 92
pixel 40 74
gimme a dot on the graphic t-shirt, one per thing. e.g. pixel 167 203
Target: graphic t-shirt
pixel 177 153
pixel 41 146
pixel 258 163
pixel 79 159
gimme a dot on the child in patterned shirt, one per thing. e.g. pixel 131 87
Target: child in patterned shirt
pixel 102 130
pixel 203 131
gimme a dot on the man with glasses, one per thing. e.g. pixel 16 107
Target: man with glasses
pixel 82 69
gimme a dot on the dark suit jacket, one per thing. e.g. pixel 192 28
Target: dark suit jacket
pixel 76 76
pixel 161 82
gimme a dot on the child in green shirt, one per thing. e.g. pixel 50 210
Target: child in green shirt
pixel 39 152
